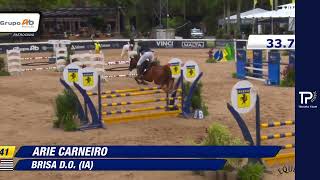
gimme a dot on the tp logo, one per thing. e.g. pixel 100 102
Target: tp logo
pixel 305 96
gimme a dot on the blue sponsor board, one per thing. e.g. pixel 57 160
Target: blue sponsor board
pixel 27 47
pixel 113 44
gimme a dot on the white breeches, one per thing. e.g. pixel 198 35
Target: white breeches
pixel 145 56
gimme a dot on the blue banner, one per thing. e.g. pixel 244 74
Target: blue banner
pixel 119 164
pixel 147 151
pixel 33 47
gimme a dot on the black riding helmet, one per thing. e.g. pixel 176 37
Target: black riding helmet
pixel 131 41
pixel 140 43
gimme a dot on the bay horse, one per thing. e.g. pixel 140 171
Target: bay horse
pixel 160 75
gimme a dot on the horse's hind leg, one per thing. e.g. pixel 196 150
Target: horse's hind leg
pixel 170 84
pixel 164 87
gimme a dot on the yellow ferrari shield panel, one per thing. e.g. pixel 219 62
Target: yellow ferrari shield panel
pixel 88 79
pixel 243 97
pixel 191 72
pixel 72 75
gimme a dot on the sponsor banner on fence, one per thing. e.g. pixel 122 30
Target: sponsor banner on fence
pixel 106 44
pixel 193 44
pixel 27 47
pixel 165 44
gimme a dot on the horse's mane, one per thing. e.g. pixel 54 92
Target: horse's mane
pixel 155 63
pixel 167 65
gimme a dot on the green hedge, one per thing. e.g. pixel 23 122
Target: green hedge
pixel 288 76
pixel 65 111
pixel 3 71
pixel 197 100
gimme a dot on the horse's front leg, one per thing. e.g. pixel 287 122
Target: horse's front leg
pixel 164 87
pixel 143 82
pixel 136 78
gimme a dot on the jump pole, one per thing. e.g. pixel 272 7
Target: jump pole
pixel 273 77
pixel 280 158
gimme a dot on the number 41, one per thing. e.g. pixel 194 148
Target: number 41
pixel 4 152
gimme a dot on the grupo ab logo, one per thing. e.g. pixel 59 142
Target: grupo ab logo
pixel 24 22
pixel 27 22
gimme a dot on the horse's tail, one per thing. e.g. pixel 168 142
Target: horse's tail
pixel 169 78
pixel 168 71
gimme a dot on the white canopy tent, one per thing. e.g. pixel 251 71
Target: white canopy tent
pixel 272 14
pixel 280 13
pixel 233 18
pixel 284 11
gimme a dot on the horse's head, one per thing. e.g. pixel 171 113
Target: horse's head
pixel 133 62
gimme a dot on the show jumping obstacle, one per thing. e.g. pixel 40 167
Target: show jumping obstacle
pixel 175 104
pixel 35 58
pixel 15 65
pixel 121 68
pixel 97 62
pixel 172 107
pixel 58 59
pixel 269 75
pixel 14 61
pixel 38 61
pixel 107 118
pixel 280 159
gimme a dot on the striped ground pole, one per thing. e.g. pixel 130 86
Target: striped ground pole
pixel 139 102
pixel 139 109
pixel 141 117
pixel 127 94
pixel 35 58
pixel 277 136
pixel 38 69
pixel 288 146
pixel 277 124
pixel 128 90
pixel 117 62
pixel 120 75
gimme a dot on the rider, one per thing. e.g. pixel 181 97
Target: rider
pixel 131 44
pixel 145 54
pixel 129 47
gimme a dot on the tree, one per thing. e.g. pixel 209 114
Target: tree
pixel 228 16
pixel 33 5
pixel 206 12
pixel 238 16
